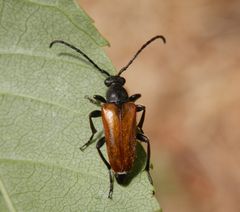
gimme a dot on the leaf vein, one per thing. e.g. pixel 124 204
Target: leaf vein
pixel 26 26
pixel 40 101
pixel 87 174
pixel 46 57
pixel 6 197
pixel 66 15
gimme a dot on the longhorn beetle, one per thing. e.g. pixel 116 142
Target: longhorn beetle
pixel 118 113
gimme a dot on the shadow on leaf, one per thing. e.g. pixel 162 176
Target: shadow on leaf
pixel 138 165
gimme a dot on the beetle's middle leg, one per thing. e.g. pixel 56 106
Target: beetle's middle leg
pixel 141 137
pixel 98 146
pixel 93 114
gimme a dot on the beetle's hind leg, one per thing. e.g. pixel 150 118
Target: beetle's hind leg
pixel 98 146
pixel 141 137
pixel 140 123
pixel 93 114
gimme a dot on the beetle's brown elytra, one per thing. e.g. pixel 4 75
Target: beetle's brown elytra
pixel 118 112
pixel 119 125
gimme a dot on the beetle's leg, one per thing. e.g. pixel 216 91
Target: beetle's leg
pixel 134 97
pixel 143 138
pixel 93 101
pixel 97 99
pixel 100 98
pixel 93 114
pixel 140 124
pixel 98 146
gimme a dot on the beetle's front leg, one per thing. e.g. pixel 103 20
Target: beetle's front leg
pixel 141 137
pixel 93 114
pixel 97 99
pixel 134 97
pixel 140 124
pixel 98 146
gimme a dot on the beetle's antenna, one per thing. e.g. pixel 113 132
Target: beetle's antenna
pixel 138 52
pixel 82 53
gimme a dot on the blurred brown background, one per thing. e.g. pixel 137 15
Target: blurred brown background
pixel 191 89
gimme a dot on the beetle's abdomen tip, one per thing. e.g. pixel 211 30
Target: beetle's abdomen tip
pixel 121 177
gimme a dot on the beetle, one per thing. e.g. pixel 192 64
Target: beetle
pixel 118 112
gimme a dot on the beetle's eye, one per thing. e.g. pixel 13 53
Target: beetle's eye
pixel 108 82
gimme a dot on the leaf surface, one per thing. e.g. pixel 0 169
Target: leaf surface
pixel 44 115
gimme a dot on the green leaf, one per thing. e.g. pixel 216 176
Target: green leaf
pixel 44 115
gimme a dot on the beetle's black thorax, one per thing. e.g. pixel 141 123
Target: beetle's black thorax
pixel 116 93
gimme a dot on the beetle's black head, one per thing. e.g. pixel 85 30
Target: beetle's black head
pixel 114 80
pixel 116 93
